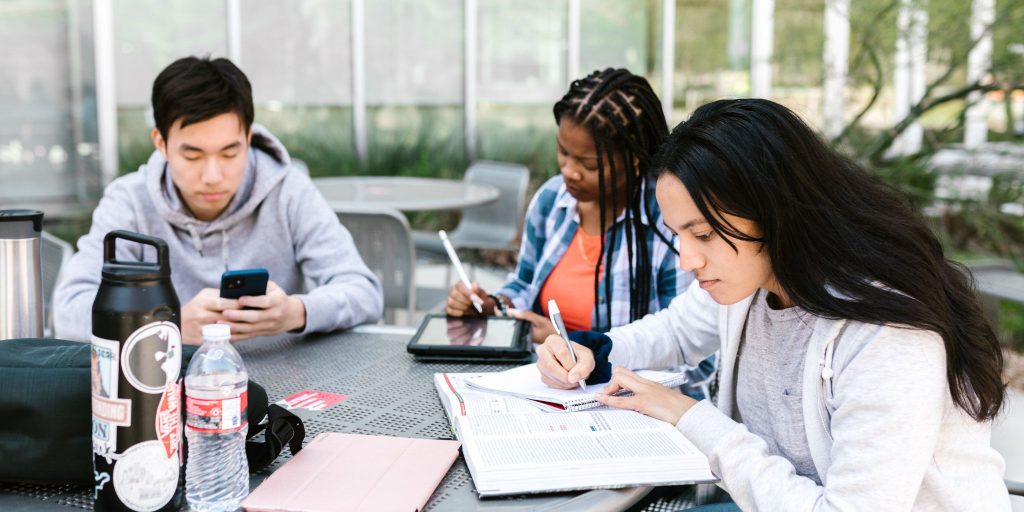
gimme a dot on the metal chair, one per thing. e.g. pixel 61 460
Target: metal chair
pixel 54 253
pixel 382 237
pixel 491 226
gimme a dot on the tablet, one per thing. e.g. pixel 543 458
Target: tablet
pixel 442 337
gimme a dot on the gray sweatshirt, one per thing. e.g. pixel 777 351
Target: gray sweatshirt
pixel 277 220
pixel 883 431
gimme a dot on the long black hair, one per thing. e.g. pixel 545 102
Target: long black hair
pixel 842 243
pixel 623 115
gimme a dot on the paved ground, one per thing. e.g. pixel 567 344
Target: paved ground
pixel 1008 429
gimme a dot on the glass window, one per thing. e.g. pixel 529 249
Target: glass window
pixel 48 151
pixel 148 36
pixel 298 52
pixel 712 52
pixel 797 58
pixel 615 34
pixel 522 51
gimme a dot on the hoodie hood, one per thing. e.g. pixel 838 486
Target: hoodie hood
pixel 262 175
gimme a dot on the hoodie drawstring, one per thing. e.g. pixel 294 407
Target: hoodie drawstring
pixel 197 242
pixel 224 248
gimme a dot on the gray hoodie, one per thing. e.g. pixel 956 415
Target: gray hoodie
pixel 277 220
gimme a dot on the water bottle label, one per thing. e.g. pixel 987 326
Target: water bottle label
pixel 217 416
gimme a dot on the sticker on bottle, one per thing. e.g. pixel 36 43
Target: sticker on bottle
pixel 144 478
pixel 108 411
pixel 216 416
pixel 168 420
pixel 151 359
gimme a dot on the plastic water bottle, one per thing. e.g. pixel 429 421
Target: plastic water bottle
pixel 217 472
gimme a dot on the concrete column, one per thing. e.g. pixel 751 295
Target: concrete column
pixel 572 62
pixel 106 87
pixel 837 52
pixel 359 80
pixel 668 56
pixel 979 60
pixel 469 84
pixel 909 78
pixel 233 11
pixel 762 39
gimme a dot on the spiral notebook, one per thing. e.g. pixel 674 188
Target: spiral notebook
pixel 524 382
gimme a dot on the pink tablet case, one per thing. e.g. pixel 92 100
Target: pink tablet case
pixel 356 472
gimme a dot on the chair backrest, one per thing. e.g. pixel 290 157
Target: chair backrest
pixel 495 225
pixel 54 253
pixel 384 241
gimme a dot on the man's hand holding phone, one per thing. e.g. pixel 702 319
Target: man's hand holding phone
pixel 265 315
pixel 247 301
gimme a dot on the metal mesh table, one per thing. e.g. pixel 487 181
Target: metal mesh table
pixel 388 394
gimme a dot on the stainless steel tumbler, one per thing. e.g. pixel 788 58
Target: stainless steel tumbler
pixel 21 282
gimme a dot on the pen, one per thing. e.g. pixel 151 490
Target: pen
pixel 477 303
pixel 556 319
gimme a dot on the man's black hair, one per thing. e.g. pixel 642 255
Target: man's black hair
pixel 195 89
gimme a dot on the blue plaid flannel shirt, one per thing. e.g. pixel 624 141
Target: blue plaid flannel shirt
pixel 551 223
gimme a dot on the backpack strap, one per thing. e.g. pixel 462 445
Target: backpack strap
pixel 282 428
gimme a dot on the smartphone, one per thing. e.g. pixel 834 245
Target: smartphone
pixel 250 282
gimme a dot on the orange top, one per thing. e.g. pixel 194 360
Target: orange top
pixel 571 282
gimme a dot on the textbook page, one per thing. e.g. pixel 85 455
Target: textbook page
pixel 524 382
pixel 459 399
pixel 531 453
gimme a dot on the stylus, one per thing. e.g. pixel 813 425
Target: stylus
pixel 477 302
pixel 556 319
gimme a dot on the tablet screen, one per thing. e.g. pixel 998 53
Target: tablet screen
pixel 469 332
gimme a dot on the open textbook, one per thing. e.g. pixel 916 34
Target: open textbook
pixel 513 447
pixel 524 382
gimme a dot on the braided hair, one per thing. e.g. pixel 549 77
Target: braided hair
pixel 624 116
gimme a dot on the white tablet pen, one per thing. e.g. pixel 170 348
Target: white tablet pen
pixel 556 318
pixel 477 302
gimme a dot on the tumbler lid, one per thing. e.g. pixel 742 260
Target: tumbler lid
pixel 16 224
pixel 135 270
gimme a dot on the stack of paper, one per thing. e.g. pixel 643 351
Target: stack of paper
pixel 513 447
pixel 524 382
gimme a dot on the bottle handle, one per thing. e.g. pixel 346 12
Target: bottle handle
pixel 110 249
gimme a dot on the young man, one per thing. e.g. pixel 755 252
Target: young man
pixel 222 193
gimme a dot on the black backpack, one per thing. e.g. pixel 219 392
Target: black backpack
pixel 46 413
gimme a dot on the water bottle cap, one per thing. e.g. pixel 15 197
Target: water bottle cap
pixel 216 331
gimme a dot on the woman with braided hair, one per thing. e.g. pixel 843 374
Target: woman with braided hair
pixel 593 238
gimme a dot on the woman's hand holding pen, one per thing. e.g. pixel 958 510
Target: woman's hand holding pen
pixel 649 397
pixel 557 369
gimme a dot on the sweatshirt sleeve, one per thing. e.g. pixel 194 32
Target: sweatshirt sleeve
pixel 684 333
pixel 80 278
pixel 347 293
pixel 884 436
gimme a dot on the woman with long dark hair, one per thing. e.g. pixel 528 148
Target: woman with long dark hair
pixel 856 369
pixel 593 238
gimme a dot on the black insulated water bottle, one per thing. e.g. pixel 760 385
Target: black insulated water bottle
pixel 136 382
